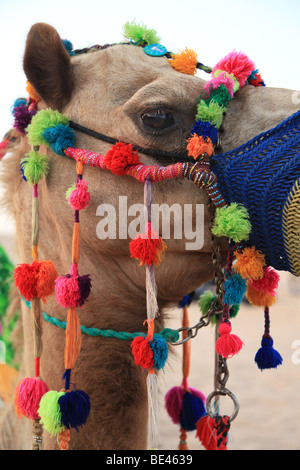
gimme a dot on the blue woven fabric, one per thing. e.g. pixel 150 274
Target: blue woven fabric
pixel 261 174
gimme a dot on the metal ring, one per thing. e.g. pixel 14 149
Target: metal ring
pixel 223 392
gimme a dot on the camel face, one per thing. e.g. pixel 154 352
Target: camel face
pixel 126 94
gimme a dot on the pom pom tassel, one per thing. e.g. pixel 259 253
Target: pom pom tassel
pixel 27 397
pixel 206 433
pixel 149 248
pixel 228 344
pixel 267 357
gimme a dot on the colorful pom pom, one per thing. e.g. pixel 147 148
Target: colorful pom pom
pixel 224 79
pixel 160 351
pixel 149 248
pixel 219 95
pixel 250 263
pixel 206 432
pixel 267 357
pixel 173 403
pixel 36 279
pixel 235 287
pixel 35 165
pixel 50 413
pixel 72 291
pixel 205 129
pixel 44 119
pixel 22 117
pixel 238 64
pixel 28 395
pixel 233 222
pixel 259 298
pixel 268 283
pixel 191 411
pixel 228 344
pixel 197 146
pixel 142 352
pixel 185 61
pixel 140 33
pixel 119 157
pixel 32 92
pixel 211 112
pixel 74 408
pixel 79 197
pixel 205 301
pixel 59 137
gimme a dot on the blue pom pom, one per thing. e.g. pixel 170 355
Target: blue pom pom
pixel 235 287
pixel 18 102
pixel 22 164
pixel 160 351
pixel 187 300
pixel 68 46
pixel 59 137
pixel 75 408
pixel 205 129
pixel 267 357
pixel 192 410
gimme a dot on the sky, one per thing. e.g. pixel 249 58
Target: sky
pixel 266 30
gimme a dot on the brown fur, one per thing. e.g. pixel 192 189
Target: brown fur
pixel 110 90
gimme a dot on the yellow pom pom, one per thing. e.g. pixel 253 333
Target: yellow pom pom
pixel 259 298
pixel 185 61
pixel 197 146
pixel 250 263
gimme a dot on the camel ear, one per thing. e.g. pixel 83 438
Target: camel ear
pixel 47 65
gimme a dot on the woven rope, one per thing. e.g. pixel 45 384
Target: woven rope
pixel 261 175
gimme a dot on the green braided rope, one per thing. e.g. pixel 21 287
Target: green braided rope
pixel 167 333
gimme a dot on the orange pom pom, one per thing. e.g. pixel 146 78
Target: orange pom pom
pixel 250 263
pixel 31 92
pixel 259 298
pixel 185 61
pixel 197 146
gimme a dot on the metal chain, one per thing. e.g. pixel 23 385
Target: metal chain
pixel 216 307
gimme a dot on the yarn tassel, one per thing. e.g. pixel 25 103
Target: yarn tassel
pixel 206 433
pixel 267 357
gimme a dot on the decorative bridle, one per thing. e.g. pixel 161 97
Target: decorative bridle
pixel 58 411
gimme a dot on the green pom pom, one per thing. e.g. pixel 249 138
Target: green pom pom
pixel 205 301
pixel 68 192
pixel 233 222
pixel 49 412
pixel 41 121
pixel 234 310
pixel 219 95
pixel 139 33
pixel 35 166
pixel 212 112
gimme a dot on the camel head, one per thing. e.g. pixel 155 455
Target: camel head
pixel 124 93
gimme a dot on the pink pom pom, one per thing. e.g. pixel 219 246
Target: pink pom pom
pixel 28 395
pixel 227 344
pixel 173 403
pixel 67 291
pixel 80 197
pixel 268 283
pixel 221 79
pixel 238 64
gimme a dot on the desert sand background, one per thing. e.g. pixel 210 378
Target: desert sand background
pixel 269 414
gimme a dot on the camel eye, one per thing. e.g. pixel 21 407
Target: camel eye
pixel 157 120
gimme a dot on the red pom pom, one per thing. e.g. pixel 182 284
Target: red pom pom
pixel 206 433
pixel 28 395
pixel 268 283
pixel 227 344
pixel 80 197
pixel 143 354
pixel 119 157
pixel 149 248
pixel 36 279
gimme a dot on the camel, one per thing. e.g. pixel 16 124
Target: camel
pixel 107 91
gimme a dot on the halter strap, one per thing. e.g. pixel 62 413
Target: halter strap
pixel 176 157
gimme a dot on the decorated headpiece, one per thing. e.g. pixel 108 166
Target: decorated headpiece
pixel 253 204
